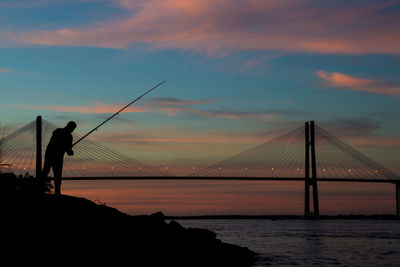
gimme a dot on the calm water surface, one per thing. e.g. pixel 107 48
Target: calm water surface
pixel 312 242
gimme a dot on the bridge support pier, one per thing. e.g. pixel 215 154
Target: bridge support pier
pixel 398 200
pixel 38 146
pixel 307 172
pixel 310 144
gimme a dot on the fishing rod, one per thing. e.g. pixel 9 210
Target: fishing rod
pixel 119 111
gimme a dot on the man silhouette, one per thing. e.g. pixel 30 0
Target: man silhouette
pixel 60 143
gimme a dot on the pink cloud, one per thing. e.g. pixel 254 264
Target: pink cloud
pixel 347 82
pixel 225 114
pixel 98 108
pixel 163 104
pixel 377 141
pixel 219 26
pixel 178 102
pixel 23 3
pixel 5 70
pixel 169 106
pixel 180 136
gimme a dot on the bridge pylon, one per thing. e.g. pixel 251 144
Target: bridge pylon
pixel 310 181
pixel 38 146
pixel 398 199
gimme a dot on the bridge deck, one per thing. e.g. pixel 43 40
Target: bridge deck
pixel 222 178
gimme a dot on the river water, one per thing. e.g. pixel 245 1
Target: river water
pixel 311 242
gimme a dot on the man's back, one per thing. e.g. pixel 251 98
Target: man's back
pixel 60 142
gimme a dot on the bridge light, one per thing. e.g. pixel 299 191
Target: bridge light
pixel 323 172
pixel 349 170
pixel 272 172
pixel 220 170
pixel 245 170
pixel 194 169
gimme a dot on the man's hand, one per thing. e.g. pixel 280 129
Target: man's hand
pixel 70 153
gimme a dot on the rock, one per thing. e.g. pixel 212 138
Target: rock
pixel 76 230
pixel 202 233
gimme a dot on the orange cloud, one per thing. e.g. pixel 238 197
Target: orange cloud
pixel 180 136
pixel 377 141
pixel 164 104
pixel 224 114
pixel 169 106
pixel 347 82
pixel 218 26
pixel 169 101
pixel 22 4
pixel 97 108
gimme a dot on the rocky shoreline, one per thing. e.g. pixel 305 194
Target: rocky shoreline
pixel 67 229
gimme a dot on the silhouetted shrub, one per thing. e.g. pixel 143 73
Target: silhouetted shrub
pixel 27 184
pixel 7 183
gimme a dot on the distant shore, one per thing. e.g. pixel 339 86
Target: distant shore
pixel 285 217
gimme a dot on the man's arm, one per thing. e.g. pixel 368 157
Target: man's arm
pixel 69 146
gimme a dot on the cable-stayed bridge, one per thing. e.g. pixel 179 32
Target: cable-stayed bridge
pixel 19 150
pixel 307 153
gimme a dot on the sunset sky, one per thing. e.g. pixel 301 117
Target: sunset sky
pixel 238 73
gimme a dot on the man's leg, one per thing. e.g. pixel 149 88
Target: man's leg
pixel 46 166
pixel 57 170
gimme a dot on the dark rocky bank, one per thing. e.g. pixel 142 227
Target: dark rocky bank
pixel 40 227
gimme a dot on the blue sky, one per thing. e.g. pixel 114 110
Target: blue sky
pixel 238 72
